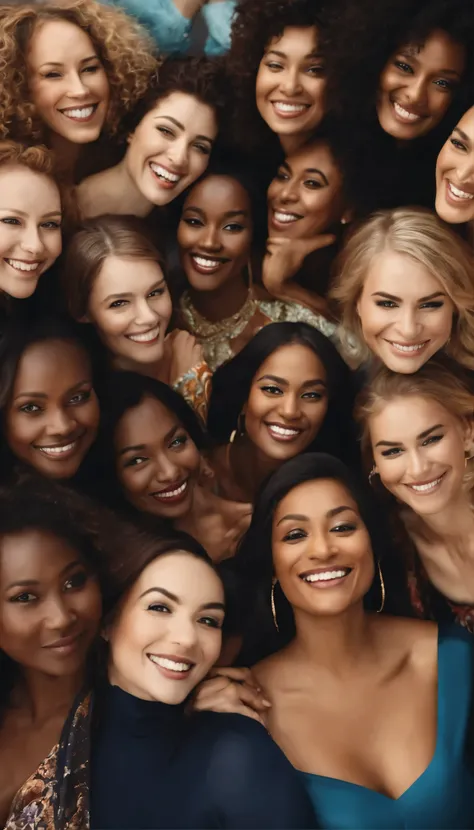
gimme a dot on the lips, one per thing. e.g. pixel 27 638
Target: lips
pixel 286 109
pixel 407 349
pixel 172 666
pixel 146 337
pixel 60 451
pixel 425 488
pixel 174 493
pixel 457 195
pixel 282 433
pixel 65 645
pixel 282 219
pixel 81 114
pixel 205 264
pixel 407 116
pixel 24 266
pixel 325 577
pixel 166 178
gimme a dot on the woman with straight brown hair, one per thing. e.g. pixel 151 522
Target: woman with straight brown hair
pixel 114 278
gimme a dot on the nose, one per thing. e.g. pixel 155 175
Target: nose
pixel 182 632
pixel 210 240
pixel 59 616
pixel 407 323
pixel 418 465
pixel 166 469
pixel 323 547
pixel 289 406
pixel 178 154
pixel 145 315
pixel 60 423
pixel 289 192
pixel 76 86
pixel 465 170
pixel 290 83
pixel 31 242
pixel 417 89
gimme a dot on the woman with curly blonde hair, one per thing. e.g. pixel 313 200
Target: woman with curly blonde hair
pixel 70 70
pixel 404 290
pixel 418 440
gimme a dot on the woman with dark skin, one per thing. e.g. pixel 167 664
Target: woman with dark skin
pixel 285 392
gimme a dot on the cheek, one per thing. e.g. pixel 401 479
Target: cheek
pixel 164 308
pixel 19 630
pixel 211 643
pixel 198 163
pixel 316 414
pixel 185 236
pixel 20 431
pixel 388 80
pixel 89 415
pixel 390 472
pixel 440 325
pixel 88 604
pixel 8 238
pixel 53 243
pixel 135 482
pixel 262 83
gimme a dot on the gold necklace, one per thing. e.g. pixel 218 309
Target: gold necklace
pixel 229 328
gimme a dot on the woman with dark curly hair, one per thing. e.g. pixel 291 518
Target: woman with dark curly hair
pixel 400 73
pixel 278 70
pixel 170 135
pixel 70 71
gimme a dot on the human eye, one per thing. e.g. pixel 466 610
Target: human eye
pixel 458 144
pixel 53 73
pixel 24 598
pixel 234 227
pixel 295 535
pixel 159 607
pixel 386 304
pixel 157 292
pixel 10 220
pixel 202 148
pixel 344 527
pixel 30 408
pixel 445 84
pixel 274 66
pixel 270 389
pixel 51 225
pixel 76 582
pixel 316 71
pixel 135 461
pixel 193 221
pixel 313 184
pixel 312 396
pixel 178 442
pixel 81 397
pixel 432 439
pixel 282 175
pixel 118 303
pixel 211 622
pixel 432 304
pixel 165 131
pixel 94 67
pixel 392 452
pixel 403 66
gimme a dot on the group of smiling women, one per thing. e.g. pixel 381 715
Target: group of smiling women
pixel 237 417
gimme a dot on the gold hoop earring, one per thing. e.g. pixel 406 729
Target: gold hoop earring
pixel 239 430
pixel 382 588
pixel 372 473
pixel 272 603
pixel 467 458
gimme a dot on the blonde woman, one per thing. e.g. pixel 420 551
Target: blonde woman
pixel 70 71
pixel 418 440
pixel 404 290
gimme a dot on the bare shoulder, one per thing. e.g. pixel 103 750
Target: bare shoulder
pixel 415 640
pixel 272 669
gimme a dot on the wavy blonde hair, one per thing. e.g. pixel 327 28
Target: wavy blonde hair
pixel 422 236
pixel 126 52
pixel 440 379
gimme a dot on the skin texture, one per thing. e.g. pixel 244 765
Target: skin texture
pixel 291 72
pixel 421 79
pixel 53 405
pixel 131 298
pixel 184 628
pixel 455 168
pixel 30 228
pixel 78 82
pixel 403 303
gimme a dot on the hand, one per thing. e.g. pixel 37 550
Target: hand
pixel 184 353
pixel 232 690
pixel 283 259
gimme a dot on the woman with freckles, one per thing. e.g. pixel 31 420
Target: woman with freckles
pixel 72 69
pixel 418 441
pixel 455 177
pixel 404 291
pixel 372 710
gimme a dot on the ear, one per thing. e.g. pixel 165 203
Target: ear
pixel 469 437
pixel 358 307
pixel 129 137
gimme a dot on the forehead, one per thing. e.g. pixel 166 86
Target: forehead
pixel 190 579
pixel 293 362
pixel 149 421
pixel 27 190
pixel 399 274
pixel 317 156
pixel 295 41
pixel 126 275
pixel 218 194
pixel 439 51
pixel 195 116
pixel 466 123
pixel 52 366
pixel 315 498
pixel 34 554
pixel 403 418
pixel 59 41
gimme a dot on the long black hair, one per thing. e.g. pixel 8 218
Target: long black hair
pixel 232 382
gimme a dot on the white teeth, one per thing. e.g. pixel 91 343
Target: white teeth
pixel 423 488
pixel 146 337
pixel 164 174
pixel 325 576
pixel 459 194
pixel 285 217
pixel 403 113
pixel 23 266
pixel 287 433
pixel 85 112
pixel 58 450
pixel 171 494
pixel 165 663
pixel 206 263
pixel 402 348
pixel 282 107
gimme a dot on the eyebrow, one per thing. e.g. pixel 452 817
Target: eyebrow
pixel 44 396
pixel 207 605
pixel 22 213
pixel 329 515
pixel 25 583
pixel 319 173
pixel 423 434
pixel 309 56
pixel 227 215
pixel 56 63
pixel 125 294
pixel 167 437
pixel 181 127
pixel 283 382
pixel 463 135
pixel 399 299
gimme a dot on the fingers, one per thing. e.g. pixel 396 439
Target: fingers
pixel 240 674
pixel 222 695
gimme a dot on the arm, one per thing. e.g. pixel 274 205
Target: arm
pixel 168 21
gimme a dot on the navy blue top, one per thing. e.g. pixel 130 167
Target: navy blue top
pixel 443 796
pixel 153 766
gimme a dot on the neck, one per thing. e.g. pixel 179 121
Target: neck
pixel 223 302
pixel 44 695
pixel 453 526
pixel 292 143
pixel 335 643
pixel 159 370
pixel 249 466
pixel 66 154
pixel 124 190
pixel 203 503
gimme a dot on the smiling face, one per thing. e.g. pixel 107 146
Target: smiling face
pixel 405 315
pixel 167 634
pixel 455 174
pixel 69 85
pixel 291 83
pixel 322 555
pixel 287 402
pixel 157 463
pixel 215 232
pixel 131 307
pixel 305 197
pixel 418 84
pixel 52 418
pixel 50 604
pixel 171 146
pixel 30 229
pixel 419 452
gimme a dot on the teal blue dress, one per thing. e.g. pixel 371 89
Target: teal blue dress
pixel 442 798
